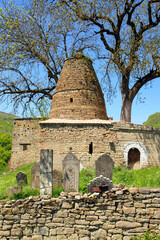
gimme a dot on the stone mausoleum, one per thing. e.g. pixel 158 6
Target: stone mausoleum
pixel 78 122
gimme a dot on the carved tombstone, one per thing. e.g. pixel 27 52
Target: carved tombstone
pixel 98 182
pixel 104 166
pixel 21 178
pixel 57 178
pixel 71 168
pixel 35 176
pixel 46 172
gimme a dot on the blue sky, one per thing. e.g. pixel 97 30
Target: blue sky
pixel 140 111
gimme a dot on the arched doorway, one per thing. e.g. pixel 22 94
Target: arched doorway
pixel 133 158
pixel 135 150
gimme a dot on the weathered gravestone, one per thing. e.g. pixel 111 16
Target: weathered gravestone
pixel 46 172
pixel 71 168
pixel 57 178
pixel 35 176
pixel 21 178
pixel 104 166
pixel 99 182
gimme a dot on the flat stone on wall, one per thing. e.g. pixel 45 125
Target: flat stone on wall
pixel 46 172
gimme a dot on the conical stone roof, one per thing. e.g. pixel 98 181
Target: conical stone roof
pixel 78 94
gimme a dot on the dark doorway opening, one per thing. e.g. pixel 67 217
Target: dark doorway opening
pixel 134 158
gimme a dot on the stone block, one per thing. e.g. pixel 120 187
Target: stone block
pixel 16 232
pixel 127 225
pixel 41 231
pixel 46 172
pixel 35 176
pixel 129 210
pixel 46 161
pixel 99 234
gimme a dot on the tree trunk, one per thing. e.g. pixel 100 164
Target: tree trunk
pixel 126 108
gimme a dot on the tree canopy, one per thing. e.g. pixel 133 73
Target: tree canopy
pixel 35 39
pixel 37 36
pixel 129 31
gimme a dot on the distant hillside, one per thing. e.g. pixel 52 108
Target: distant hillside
pixel 6 122
pixel 153 120
pixel 6 126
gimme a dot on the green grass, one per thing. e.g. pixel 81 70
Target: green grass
pixel 148 177
pixel 6 122
pixel 9 179
pixel 86 175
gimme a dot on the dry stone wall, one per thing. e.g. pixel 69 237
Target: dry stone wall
pixel 113 215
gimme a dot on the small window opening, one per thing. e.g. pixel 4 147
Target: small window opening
pixel 25 147
pixel 91 148
pixel 70 148
pixel 71 99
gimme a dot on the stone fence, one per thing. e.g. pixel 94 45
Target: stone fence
pixel 113 215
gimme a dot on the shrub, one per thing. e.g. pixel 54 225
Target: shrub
pixel 147 236
pixel 5 149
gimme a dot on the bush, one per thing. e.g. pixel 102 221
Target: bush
pixel 5 149
pixel 147 236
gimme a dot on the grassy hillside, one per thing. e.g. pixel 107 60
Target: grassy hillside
pixel 153 120
pixel 6 122
pixel 6 126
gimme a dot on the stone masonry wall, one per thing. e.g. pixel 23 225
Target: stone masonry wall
pixel 25 142
pixel 110 138
pixel 114 215
pixel 77 138
pixel 113 138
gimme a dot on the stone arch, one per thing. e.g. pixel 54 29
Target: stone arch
pixel 142 150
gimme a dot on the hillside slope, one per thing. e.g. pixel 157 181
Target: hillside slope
pixel 153 120
pixel 6 122
pixel 6 126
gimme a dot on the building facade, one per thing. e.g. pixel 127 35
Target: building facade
pixel 78 122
